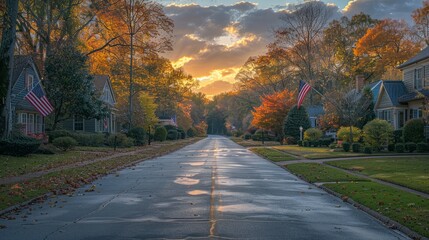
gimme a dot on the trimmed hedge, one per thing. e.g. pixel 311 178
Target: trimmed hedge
pixel 410 147
pixel 414 131
pixel 422 147
pixel 89 139
pixel 22 146
pixel 172 134
pixel 121 140
pixel 367 150
pixel 139 136
pixel 399 147
pixel 356 147
pixel 64 143
pixel 58 133
pixel 300 143
pixel 346 146
pixel 160 134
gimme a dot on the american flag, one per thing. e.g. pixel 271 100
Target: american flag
pixel 38 99
pixel 302 91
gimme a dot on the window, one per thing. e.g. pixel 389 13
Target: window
pixel 386 115
pixel 30 123
pixel 38 124
pixel 418 78
pixel 29 82
pixel 78 123
pixel 22 119
pixel 416 113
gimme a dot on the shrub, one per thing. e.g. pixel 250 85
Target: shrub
pixel 398 136
pixel 326 141
pixel 399 147
pixel 378 133
pixel 170 127
pixel 306 143
pixel 313 134
pixel 160 134
pixel 89 139
pixel 191 132
pixel 414 131
pixel 247 136
pixel 391 147
pixel 332 145
pixel 139 136
pixel 290 140
pixel 410 147
pixel 367 150
pixel 58 133
pixel 182 133
pixel 346 146
pixel 64 143
pixel 356 147
pixel 172 134
pixel 19 146
pixel 121 140
pixel 344 134
pixel 267 136
pixel 422 147
pixel 300 143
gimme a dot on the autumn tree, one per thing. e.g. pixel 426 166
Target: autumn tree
pixel 273 111
pixel 421 20
pixel 340 38
pixel 385 46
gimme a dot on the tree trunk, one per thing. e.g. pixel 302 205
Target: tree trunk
pixel 6 59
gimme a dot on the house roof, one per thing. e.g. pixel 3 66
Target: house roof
pixel 20 62
pixel 395 89
pixel 314 111
pixel 422 55
pixel 414 96
pixel 99 83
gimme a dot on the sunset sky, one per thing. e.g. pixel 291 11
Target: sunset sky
pixel 214 38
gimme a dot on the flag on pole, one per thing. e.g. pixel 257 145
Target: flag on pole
pixel 38 99
pixel 303 89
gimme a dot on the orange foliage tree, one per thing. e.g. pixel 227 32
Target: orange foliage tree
pixel 421 19
pixel 385 46
pixel 270 115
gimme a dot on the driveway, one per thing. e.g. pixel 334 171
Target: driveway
pixel 213 189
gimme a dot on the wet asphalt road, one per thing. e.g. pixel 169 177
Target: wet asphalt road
pixel 213 189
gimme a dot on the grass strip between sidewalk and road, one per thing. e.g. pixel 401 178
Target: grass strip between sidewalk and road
pixel 316 152
pixel 66 181
pixel 272 155
pixel 410 171
pixel 405 208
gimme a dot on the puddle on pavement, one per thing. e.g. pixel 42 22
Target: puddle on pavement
pixel 187 181
pixel 198 192
pixel 243 208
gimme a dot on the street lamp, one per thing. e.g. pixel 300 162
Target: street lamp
pixel 300 132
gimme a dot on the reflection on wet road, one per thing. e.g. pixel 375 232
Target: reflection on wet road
pixel 213 189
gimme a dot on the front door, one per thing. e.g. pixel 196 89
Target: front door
pixel 401 118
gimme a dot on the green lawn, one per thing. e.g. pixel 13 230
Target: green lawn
pixel 406 208
pixel 412 172
pixel 316 152
pixel 315 172
pixel 251 143
pixel 272 155
pixel 14 166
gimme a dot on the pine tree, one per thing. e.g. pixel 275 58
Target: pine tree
pixel 295 119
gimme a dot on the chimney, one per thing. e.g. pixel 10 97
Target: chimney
pixel 360 82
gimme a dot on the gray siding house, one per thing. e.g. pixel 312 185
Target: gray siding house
pixel 399 101
pixel 25 76
pixel 103 87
